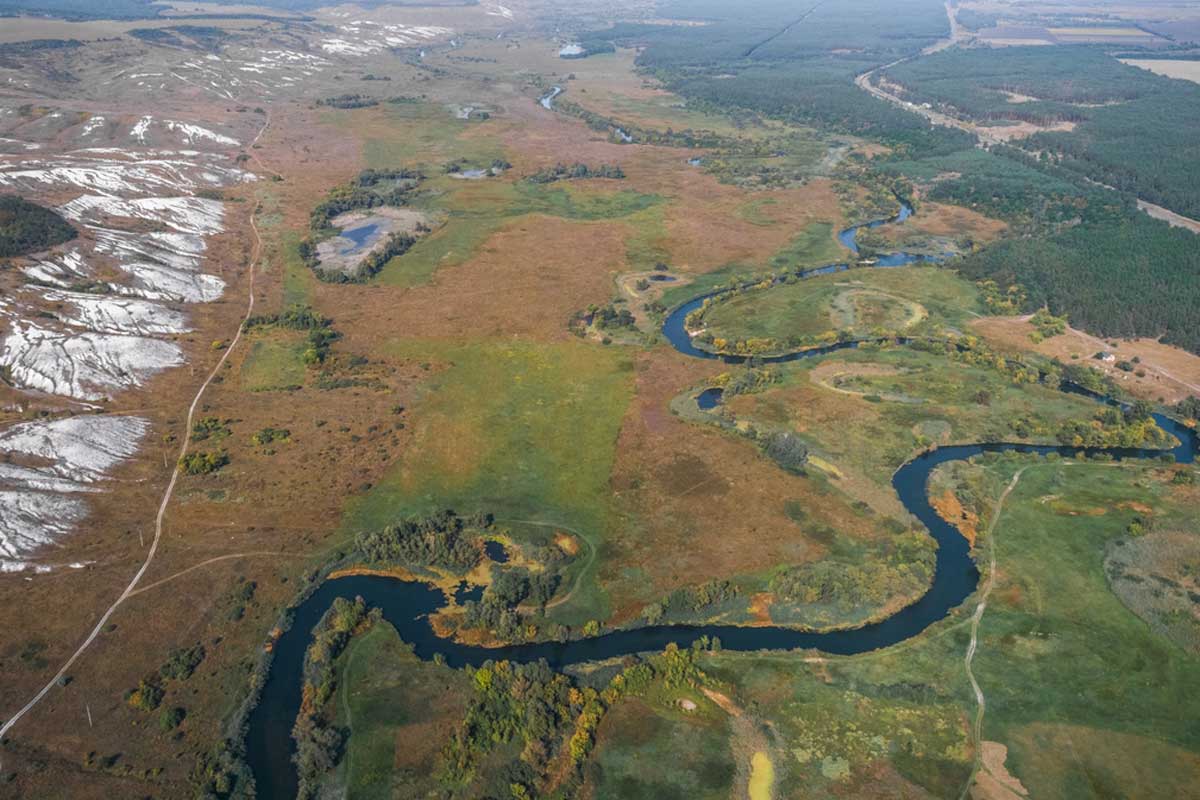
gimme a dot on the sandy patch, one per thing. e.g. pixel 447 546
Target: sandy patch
pixel 728 706
pixel 1169 217
pixel 996 782
pixel 1023 130
pixel 1092 33
pixel 1016 97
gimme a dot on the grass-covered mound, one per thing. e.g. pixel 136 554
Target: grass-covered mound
pixel 26 227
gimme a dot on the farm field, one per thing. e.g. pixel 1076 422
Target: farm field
pixel 1184 70
pixel 396 401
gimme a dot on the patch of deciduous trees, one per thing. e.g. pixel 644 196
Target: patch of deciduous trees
pixel 443 539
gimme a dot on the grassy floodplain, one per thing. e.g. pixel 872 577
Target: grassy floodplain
pixel 477 209
pixel 1061 662
pixel 490 437
pixel 387 694
pixel 863 302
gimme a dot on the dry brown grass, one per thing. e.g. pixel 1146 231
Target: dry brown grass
pixel 288 502
pixel 526 280
pixel 1171 373
pixel 938 219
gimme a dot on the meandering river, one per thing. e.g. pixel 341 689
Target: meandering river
pixel 407 605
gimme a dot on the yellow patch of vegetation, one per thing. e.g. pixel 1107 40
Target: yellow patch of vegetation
pixel 825 466
pixel 1172 68
pixel 762 776
pixel 951 509
pixel 567 543
pixel 760 607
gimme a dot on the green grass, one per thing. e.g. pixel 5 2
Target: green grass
pixel 382 687
pixel 927 395
pixel 297 277
pixel 814 246
pixel 661 112
pixel 275 362
pixel 526 431
pixel 811 307
pixel 1068 650
pixel 422 134
pixel 476 209
pixel 280 248
pixel 651 753
pixel 646 245
pixel 754 211
pixel 449 246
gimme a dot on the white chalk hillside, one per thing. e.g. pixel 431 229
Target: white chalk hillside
pixel 49 467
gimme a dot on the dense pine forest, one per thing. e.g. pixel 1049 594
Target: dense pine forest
pixel 26 227
pixel 1134 276
pixel 1134 130
pixel 1077 246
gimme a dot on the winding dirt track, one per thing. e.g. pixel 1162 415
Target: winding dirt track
pixel 980 700
pixel 131 589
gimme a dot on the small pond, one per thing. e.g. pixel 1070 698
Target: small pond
pixel 360 236
pixel 710 398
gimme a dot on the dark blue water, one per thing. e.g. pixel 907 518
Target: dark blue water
pixel 466 591
pixel 407 605
pixel 849 237
pixel 662 278
pixel 709 399
pixel 496 552
pixel 360 236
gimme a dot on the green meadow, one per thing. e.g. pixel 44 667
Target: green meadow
pixel 521 429
pixel 860 301
pixel 474 210
pixel 650 751
pixel 384 692
pixel 275 362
